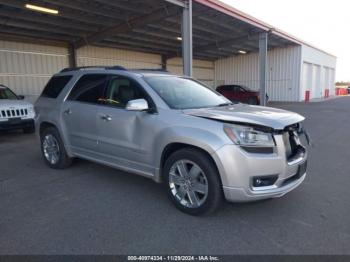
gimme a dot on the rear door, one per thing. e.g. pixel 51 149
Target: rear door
pixel 79 113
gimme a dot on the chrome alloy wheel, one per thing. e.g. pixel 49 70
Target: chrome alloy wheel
pixel 51 149
pixel 188 183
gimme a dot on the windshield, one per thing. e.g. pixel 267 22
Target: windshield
pixel 184 93
pixel 248 89
pixel 6 93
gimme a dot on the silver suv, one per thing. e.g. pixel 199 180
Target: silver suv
pixel 172 129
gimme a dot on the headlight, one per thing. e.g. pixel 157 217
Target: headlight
pixel 248 136
pixel 31 111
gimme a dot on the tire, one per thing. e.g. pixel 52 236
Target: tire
pixel 252 101
pixel 206 177
pixel 29 130
pixel 50 140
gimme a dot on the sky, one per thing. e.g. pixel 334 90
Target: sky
pixel 322 23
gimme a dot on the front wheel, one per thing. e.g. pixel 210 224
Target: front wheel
pixel 193 182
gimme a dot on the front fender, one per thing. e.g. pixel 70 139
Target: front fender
pixel 206 140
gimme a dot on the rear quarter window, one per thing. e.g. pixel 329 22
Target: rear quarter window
pixel 54 87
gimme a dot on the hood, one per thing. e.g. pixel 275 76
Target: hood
pixel 7 103
pixel 257 115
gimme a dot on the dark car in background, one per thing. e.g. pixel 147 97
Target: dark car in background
pixel 238 93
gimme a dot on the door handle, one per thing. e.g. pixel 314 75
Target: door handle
pixel 106 118
pixel 68 111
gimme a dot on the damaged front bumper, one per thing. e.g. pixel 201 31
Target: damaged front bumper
pixel 252 176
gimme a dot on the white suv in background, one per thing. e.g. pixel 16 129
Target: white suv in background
pixel 15 113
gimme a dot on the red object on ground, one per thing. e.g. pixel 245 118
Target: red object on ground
pixel 341 91
pixel 307 96
pixel 326 93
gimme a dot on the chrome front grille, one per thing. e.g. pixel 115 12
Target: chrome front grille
pixel 12 113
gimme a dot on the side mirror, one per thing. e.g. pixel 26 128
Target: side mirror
pixel 137 105
pixel 20 97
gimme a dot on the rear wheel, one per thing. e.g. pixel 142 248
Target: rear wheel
pixel 53 151
pixel 193 182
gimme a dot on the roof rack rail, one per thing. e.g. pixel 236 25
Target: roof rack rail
pixel 70 69
pixel 150 70
pixel 117 67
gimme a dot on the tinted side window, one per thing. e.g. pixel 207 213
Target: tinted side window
pixel 121 90
pixel 237 89
pixel 6 93
pixel 225 88
pixel 54 87
pixel 89 89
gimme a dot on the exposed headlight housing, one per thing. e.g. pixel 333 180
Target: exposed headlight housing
pixel 247 136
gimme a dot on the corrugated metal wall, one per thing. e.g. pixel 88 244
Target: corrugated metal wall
pixel 91 56
pixel 26 68
pixel 318 73
pixel 283 76
pixel 202 70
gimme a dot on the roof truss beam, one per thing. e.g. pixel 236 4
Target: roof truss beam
pixel 47 20
pixel 125 7
pixel 178 32
pixel 177 2
pixel 68 14
pixel 127 26
pixel 88 8
pixel 241 40
pixel 39 27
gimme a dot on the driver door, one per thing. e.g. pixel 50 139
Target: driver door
pixel 123 135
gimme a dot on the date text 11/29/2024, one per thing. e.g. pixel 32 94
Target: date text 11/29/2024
pixel 173 258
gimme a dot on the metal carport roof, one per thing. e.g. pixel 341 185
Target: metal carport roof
pixel 142 25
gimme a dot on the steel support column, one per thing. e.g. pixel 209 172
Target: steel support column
pixel 263 38
pixel 164 62
pixel 72 56
pixel 187 47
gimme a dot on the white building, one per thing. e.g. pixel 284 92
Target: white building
pixel 292 72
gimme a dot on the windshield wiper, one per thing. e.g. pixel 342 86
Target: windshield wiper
pixel 225 104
